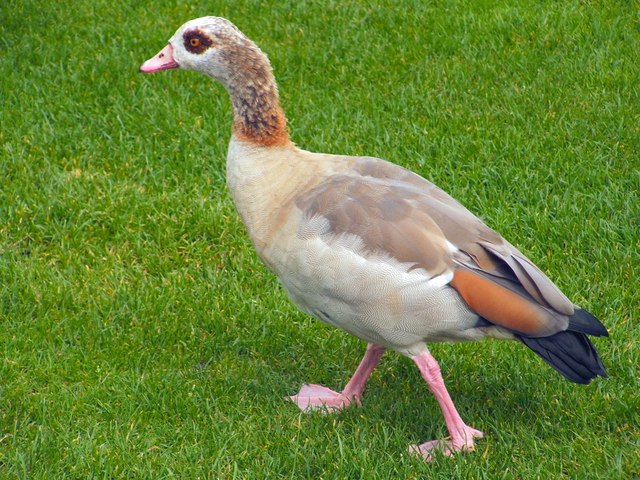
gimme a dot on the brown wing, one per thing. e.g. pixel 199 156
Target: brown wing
pixel 384 215
pixel 492 276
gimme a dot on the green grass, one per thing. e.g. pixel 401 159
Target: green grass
pixel 141 337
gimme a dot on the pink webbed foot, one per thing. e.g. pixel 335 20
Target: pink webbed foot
pixel 314 397
pixel 462 442
pixel 317 397
pixel 461 435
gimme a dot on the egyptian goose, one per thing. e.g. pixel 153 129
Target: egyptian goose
pixel 369 247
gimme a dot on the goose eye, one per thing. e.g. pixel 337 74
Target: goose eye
pixel 197 41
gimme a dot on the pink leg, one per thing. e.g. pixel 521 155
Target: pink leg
pixel 461 435
pixel 312 397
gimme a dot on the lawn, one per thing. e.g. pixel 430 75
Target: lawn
pixel 140 335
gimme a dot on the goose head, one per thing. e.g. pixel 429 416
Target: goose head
pixel 216 47
pixel 210 45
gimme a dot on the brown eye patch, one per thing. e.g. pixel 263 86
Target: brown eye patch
pixel 196 41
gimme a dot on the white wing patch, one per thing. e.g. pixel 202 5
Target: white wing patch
pixel 452 248
pixel 441 280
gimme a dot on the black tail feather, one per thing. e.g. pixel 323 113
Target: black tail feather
pixel 584 322
pixel 570 352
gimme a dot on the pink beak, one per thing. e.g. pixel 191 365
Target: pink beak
pixel 162 61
